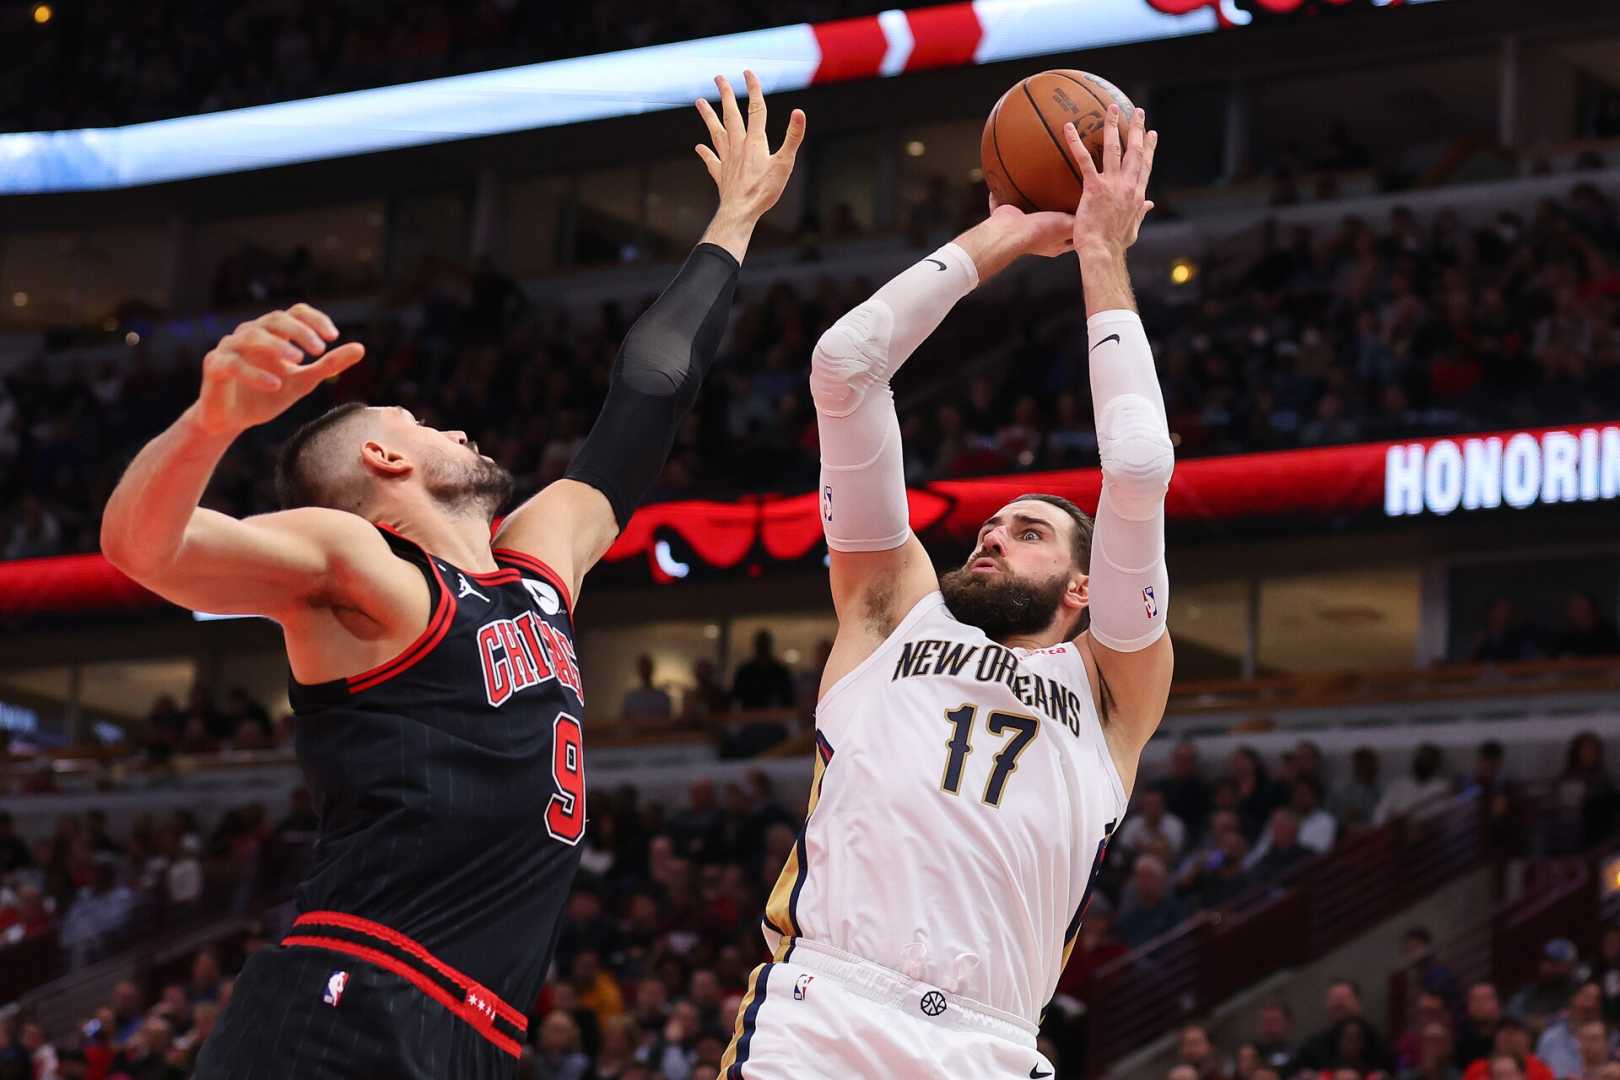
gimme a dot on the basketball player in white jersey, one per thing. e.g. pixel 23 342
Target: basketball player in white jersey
pixel 977 733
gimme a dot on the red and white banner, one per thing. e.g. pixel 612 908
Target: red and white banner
pixel 1517 470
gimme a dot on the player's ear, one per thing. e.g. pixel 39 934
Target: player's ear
pixel 379 459
pixel 1079 594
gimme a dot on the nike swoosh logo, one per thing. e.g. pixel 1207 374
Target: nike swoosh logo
pixel 937 262
pixel 1036 1074
pixel 1104 341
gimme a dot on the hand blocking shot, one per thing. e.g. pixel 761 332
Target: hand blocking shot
pixel 438 697
pixel 978 732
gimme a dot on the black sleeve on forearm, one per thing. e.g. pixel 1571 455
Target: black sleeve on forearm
pixel 655 379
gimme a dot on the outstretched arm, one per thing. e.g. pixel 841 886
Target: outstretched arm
pixel 879 569
pixel 153 528
pixel 665 356
pixel 1129 585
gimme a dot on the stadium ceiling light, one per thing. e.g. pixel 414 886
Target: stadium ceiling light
pixel 42 14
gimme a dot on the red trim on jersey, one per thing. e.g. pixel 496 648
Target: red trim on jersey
pixel 507 576
pixel 438 626
pixel 534 565
pixel 479 1021
pixel 411 946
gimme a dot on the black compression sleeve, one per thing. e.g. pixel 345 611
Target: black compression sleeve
pixel 655 379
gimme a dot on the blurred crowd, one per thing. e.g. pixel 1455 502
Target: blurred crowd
pixel 663 925
pixel 1564 1024
pixel 103 62
pixel 1372 330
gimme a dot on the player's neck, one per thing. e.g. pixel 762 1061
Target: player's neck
pixel 461 539
pixel 1045 639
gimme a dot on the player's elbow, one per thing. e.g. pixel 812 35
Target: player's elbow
pixel 122 545
pixel 1137 454
pixel 850 357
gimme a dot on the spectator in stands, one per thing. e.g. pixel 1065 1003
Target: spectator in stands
pixel 1431 1009
pixel 1280 850
pixel 1095 946
pixel 646 701
pixel 1186 793
pixel 1506 637
pixel 1195 1050
pixel 1357 801
pixel 14 854
pixel 1560 1045
pixel 1499 796
pixel 1607 973
pixel 1150 910
pixel 1482 1017
pixel 1417 952
pixel 1224 876
pixel 1363 1047
pixel 1597 1046
pixel 1584 799
pixel 1435 1052
pixel 559 1055
pixel 1274 1034
pixel 1151 819
pixel 14 1059
pixel 1555 984
pixel 41 1054
pixel 617 1054
pixel 98 914
pixel 1513 1041
pixel 1506 1067
pixel 708 696
pixel 1257 795
pixel 1407 793
pixel 595 988
pixel 1317 828
pixel 1586 632
pixel 763 681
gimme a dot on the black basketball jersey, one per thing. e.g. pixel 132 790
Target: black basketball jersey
pixel 450 780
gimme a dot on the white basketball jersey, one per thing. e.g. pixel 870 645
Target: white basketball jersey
pixel 962 799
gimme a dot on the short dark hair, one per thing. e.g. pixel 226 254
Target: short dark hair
pixel 1491 750
pixel 298 483
pixel 1083 525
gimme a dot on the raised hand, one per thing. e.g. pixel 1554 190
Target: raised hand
pixel 1114 200
pixel 749 176
pixel 1042 232
pixel 257 370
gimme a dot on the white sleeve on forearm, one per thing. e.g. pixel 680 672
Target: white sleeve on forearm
pixel 1130 586
pixel 863 481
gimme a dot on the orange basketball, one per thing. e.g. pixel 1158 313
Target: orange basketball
pixel 1025 159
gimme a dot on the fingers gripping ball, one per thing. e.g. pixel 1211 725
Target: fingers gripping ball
pixel 1022 151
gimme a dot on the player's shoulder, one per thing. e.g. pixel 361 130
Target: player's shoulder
pixel 352 545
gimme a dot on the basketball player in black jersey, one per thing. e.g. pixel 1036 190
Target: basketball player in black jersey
pixel 433 669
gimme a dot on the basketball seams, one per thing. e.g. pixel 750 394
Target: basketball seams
pixel 995 142
pixel 1041 117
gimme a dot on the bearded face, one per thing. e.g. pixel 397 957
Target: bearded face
pixel 1001 604
pixel 469 484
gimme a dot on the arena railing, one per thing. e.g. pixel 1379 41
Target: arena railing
pixel 1224 705
pixel 1562 897
pixel 1319 906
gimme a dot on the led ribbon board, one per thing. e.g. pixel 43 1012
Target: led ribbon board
pixel 597 87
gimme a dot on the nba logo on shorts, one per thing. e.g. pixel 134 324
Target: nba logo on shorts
pixel 1149 601
pixel 801 987
pixel 334 987
pixel 826 502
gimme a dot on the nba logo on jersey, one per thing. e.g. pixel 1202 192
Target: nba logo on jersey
pixel 334 987
pixel 1150 601
pixel 802 986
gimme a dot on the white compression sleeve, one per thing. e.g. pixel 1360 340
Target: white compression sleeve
pixel 863 481
pixel 1130 585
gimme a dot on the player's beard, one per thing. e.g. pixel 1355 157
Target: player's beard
pixel 1002 605
pixel 479 487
